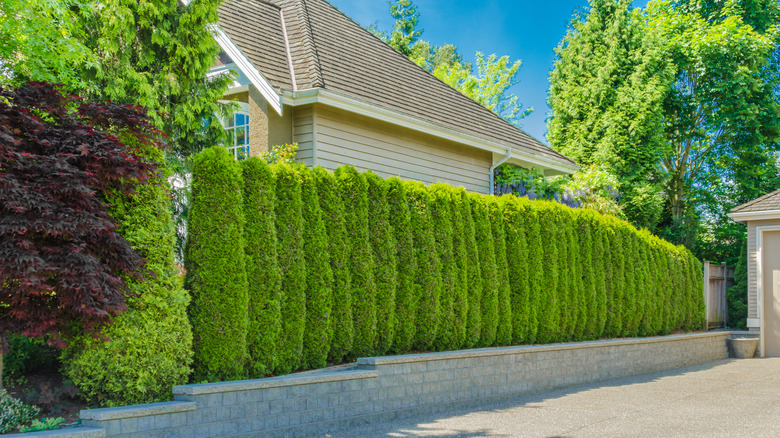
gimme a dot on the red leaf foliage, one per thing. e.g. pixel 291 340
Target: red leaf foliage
pixel 62 261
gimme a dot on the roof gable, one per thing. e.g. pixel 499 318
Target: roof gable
pixel 326 49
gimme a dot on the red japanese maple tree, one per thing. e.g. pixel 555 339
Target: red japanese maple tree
pixel 62 261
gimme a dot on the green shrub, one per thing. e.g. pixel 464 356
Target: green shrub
pixel 262 267
pixel 496 218
pixel 600 282
pixel 441 219
pixel 292 263
pixel 460 252
pixel 470 257
pixel 383 248
pixel 28 355
pixel 319 277
pixel 332 207
pixel 149 348
pixel 14 413
pixel 354 192
pixel 533 239
pixel 216 271
pixel 514 216
pixel 549 313
pixel 40 425
pixel 736 296
pixel 427 280
pixel 406 266
pixel 487 265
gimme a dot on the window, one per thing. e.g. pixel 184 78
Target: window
pixel 237 128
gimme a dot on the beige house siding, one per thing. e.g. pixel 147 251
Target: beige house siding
pixel 388 150
pixel 303 134
pixel 753 264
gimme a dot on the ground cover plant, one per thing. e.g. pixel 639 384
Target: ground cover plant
pixel 371 266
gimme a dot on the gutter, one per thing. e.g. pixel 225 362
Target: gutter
pixel 754 215
pixel 493 170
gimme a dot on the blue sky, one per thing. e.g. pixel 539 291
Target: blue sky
pixel 525 30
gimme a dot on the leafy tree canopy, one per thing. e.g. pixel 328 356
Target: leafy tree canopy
pixel 488 86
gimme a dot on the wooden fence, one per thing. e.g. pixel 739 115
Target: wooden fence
pixel 717 280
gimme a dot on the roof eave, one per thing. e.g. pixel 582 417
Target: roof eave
pixel 754 215
pixel 347 103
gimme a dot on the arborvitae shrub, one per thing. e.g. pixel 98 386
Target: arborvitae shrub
pixel 427 282
pixel 564 293
pixel 354 192
pixel 262 266
pixel 332 207
pixel 600 282
pixel 514 216
pixel 319 277
pixel 406 266
pixel 615 282
pixel 549 315
pixel 630 326
pixel 292 263
pixel 473 270
pixel 496 217
pixel 487 264
pixel 585 244
pixel 460 291
pixel 383 246
pixel 441 218
pixel 572 283
pixel 216 274
pixel 536 281
pixel 148 348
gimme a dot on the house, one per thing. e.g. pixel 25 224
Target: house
pixel 762 217
pixel 306 73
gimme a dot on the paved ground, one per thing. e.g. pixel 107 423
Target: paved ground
pixel 724 398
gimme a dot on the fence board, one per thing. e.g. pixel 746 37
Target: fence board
pixel 717 280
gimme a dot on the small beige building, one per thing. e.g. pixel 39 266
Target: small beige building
pixel 307 73
pixel 762 217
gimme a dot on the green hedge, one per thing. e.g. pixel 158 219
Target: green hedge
pixel 148 349
pixel 319 278
pixel 216 270
pixel 292 261
pixel 262 267
pixel 370 266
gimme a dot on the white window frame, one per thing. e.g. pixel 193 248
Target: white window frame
pixel 234 146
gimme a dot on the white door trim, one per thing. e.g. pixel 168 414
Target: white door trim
pixel 760 281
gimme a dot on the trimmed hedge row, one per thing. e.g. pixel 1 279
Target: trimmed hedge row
pixel 357 265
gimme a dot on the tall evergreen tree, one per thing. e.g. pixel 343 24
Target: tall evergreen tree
pixel 406 265
pixel 606 94
pixel 262 266
pixel 354 193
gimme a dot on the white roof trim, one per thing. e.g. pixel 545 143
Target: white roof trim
pixel 246 67
pixel 326 97
pixel 257 79
pixel 755 215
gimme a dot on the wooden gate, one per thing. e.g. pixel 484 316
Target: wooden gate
pixel 717 280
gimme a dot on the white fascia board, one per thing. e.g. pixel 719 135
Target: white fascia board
pixel 326 97
pixel 246 67
pixel 755 215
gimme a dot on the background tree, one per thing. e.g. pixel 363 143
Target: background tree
pixel 489 86
pixel 719 107
pixel 64 267
pixel 606 92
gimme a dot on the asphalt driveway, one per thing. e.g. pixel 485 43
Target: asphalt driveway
pixel 723 398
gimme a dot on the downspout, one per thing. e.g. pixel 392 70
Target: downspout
pixel 493 171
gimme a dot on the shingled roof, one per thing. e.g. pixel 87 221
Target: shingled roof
pixel 768 202
pixel 328 50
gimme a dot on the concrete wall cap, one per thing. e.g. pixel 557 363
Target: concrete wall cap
pixel 104 414
pixel 73 432
pixel 523 349
pixel 272 382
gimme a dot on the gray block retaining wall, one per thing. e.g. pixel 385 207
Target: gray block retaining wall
pixel 382 388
